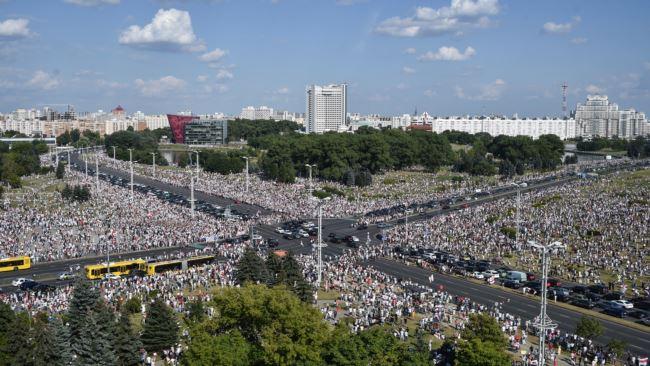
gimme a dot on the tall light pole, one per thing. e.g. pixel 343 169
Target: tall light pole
pixel 311 186
pixel 131 166
pixel 543 322
pixel 246 158
pixel 69 163
pixel 197 163
pixel 97 171
pixel 154 164
pixel 192 194
pixel 320 239
pixel 85 163
pixel 113 152
pixel 519 186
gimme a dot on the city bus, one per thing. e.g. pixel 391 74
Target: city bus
pixel 15 263
pixel 177 264
pixel 121 268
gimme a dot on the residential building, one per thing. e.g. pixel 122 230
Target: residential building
pixel 252 113
pixel 600 117
pixel 206 132
pixel 156 121
pixel 326 108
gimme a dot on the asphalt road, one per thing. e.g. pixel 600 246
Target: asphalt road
pixel 525 307
pixel 138 179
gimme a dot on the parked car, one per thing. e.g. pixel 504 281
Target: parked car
pixel 583 303
pixel 362 226
pixel 512 284
pixel 624 303
pixel 272 243
pixel 614 311
pixel 614 296
pixel 19 281
pixel 561 293
pixel 27 285
pixel 599 289
pixel 478 275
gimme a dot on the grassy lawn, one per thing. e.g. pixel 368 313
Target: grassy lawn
pixel 328 295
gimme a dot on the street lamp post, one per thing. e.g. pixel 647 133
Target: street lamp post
pixel 192 194
pixel 519 186
pixel 311 186
pixel 131 166
pixel 69 165
pixel 85 163
pixel 154 164
pixel 320 239
pixel 97 171
pixel 113 152
pixel 197 163
pixel 544 322
pixel 246 158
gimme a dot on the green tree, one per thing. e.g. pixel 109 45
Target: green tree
pixel 46 351
pixel 617 347
pixel 127 343
pixel 345 348
pixel 84 298
pixel 227 349
pixel 251 268
pixel 196 311
pixel 61 335
pixel 160 327
pixel 475 352
pixel 60 170
pixel 21 343
pixel 589 327
pixel 7 319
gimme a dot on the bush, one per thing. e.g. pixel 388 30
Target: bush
pixel 509 232
pixel 133 305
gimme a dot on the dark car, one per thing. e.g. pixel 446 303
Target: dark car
pixel 614 296
pixel 617 312
pixel 363 226
pixel 272 243
pixel 512 284
pixel 583 303
pixel 553 282
pixel 642 304
pixel 580 289
pixel 288 236
pixel 28 285
pixel 593 296
pixel 638 314
pixel 562 294
pixel 530 277
pixel 599 289
pixel 336 239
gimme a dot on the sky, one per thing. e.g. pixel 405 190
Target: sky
pixel 446 57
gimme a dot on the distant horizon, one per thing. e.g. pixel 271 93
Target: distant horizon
pixel 446 57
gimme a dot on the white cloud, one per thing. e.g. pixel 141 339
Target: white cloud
pixel 579 40
pixel 213 56
pixel 408 70
pixel 43 80
pixel 448 54
pixel 224 74
pixel 282 91
pixel 216 88
pixel 460 15
pixel 202 78
pixel 594 89
pixel 430 93
pixel 489 92
pixel 410 51
pixel 152 88
pixel 15 28
pixel 169 30
pixel 92 2
pixel 646 65
pixel 560 28
pixel 110 84
pixel 350 2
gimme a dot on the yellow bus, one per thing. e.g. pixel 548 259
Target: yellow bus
pixel 15 263
pixel 177 264
pixel 97 271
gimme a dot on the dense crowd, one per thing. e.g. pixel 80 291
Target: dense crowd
pixel 605 232
pixel 110 221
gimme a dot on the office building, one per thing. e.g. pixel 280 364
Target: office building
pixel 206 132
pixel 327 108
pixel 564 128
pixel 600 117
pixel 252 113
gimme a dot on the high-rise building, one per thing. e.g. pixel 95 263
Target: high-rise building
pixel 252 113
pixel 327 108
pixel 206 132
pixel 600 117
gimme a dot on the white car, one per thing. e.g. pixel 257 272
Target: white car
pixel 257 237
pixel 66 276
pixel 110 276
pixel 624 303
pixel 478 275
pixel 280 230
pixel 303 233
pixel 491 274
pixel 19 281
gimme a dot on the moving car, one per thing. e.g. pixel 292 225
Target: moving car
pixel 19 281
pixel 111 276
pixel 66 276
pixel 624 303
pixel 617 312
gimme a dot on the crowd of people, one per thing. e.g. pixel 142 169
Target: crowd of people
pixel 605 232
pixel 51 228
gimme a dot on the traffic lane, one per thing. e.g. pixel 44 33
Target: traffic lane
pixel 524 307
pixel 39 270
pixel 214 199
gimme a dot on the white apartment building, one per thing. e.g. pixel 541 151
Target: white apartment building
pixel 509 126
pixel 600 117
pixel 156 121
pixel 261 112
pixel 327 108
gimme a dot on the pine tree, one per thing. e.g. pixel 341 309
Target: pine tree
pixel 61 336
pixel 7 318
pixel 60 170
pixel 82 346
pixel 127 344
pixel 295 280
pixel 160 328
pixel 84 298
pixel 45 350
pixel 20 342
pixel 275 267
pixel 251 268
pixel 105 332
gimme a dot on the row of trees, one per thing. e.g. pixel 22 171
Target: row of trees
pixel 20 160
pixel 90 333
pixel 143 144
pixel 341 156
pixel 244 129
pixel 78 138
pixel 636 148
pixel 75 193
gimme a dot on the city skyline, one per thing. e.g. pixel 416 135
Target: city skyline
pixel 445 57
